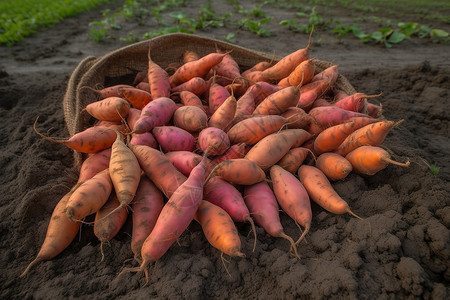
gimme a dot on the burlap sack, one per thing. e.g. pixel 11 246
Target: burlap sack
pixel 122 64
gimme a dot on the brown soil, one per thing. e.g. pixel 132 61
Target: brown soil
pixel 400 250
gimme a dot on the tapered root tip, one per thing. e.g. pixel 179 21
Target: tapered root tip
pixel 250 220
pixel 141 268
pixel 398 123
pixel 238 253
pixel 291 241
pixel 353 214
pixel 144 267
pixel 137 258
pixel 25 272
pixel 101 251
pixel 307 227
pixel 44 136
pixel 126 270
pixel 390 161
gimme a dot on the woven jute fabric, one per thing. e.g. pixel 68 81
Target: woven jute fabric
pixel 95 72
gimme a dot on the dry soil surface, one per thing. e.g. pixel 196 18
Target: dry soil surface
pixel 400 250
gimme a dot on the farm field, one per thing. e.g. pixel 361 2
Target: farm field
pixel 400 250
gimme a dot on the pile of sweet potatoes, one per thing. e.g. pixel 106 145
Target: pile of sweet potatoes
pixel 204 140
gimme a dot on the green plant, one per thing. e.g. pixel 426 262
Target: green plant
pixel 386 36
pixel 135 9
pixel 433 167
pixel 230 37
pixel 257 11
pixel 207 18
pixel 421 31
pixel 255 26
pixel 130 38
pixel 342 31
pixel 314 20
pixel 164 6
pixel 110 20
pixel 157 15
pixel 100 29
pixel 20 18
pixel 183 20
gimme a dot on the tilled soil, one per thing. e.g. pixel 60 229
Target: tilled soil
pixel 400 250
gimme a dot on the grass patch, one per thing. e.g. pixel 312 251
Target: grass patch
pixel 20 18
pixel 432 166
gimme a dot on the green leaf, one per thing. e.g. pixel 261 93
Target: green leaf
pixel 424 31
pixel 386 31
pixel 377 36
pixel 366 38
pixel 252 26
pixel 439 33
pixel 301 14
pixel 265 20
pixel 177 15
pixel 98 23
pixel 230 37
pixel 263 32
pixel 356 30
pixel 396 37
pixel 408 28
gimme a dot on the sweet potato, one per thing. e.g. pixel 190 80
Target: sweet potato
pixel 190 118
pixel 109 109
pixel 224 114
pixel 320 191
pixel 369 135
pixel 292 197
pixel 174 218
pixel 159 169
pixel 89 197
pixel 263 206
pixel 369 160
pixel 185 161
pixel 108 223
pixel 273 147
pixel 238 171
pixel 214 141
pixel 219 228
pixel 223 194
pixel 60 232
pixel 252 130
pixel 333 165
pixel 156 113
pixel 94 164
pixel 137 97
pixel 146 206
pixel 90 140
pixel 173 138
pixel 278 102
